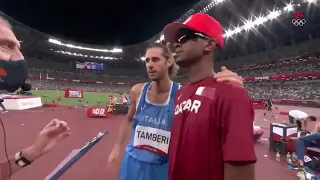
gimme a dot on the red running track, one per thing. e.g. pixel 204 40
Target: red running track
pixel 22 127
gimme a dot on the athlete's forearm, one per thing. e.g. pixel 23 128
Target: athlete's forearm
pixel 28 153
pixel 124 132
pixel 316 128
pixel 126 125
pixel 5 168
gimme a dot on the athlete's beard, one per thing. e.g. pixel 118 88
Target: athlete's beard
pixel 186 62
pixel 154 79
pixel 159 78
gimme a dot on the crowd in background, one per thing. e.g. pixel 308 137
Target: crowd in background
pixel 121 79
pixel 92 87
pixel 299 90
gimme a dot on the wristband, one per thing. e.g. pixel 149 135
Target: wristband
pixel 21 161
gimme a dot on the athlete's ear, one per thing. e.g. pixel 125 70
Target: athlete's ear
pixel 209 45
pixel 170 62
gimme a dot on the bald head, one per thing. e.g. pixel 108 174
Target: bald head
pixel 14 70
pixel 9 45
pixel 4 22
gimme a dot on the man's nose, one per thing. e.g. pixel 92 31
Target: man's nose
pixel 176 45
pixel 150 66
pixel 17 55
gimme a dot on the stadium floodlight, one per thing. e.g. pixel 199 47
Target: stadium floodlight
pixel 289 7
pixel 211 5
pixel 116 50
pixel 143 58
pixel 161 39
pixel 311 1
pixel 57 42
pixel 85 55
pixel 249 24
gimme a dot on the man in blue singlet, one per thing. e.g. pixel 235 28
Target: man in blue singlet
pixel 150 117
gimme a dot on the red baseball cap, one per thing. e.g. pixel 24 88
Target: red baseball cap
pixel 199 22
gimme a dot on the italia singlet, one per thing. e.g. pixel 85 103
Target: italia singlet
pixel 151 128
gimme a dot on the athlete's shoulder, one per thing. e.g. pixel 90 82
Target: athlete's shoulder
pixel 137 87
pixel 136 91
pixel 176 84
pixel 211 82
pixel 230 86
pixel 230 90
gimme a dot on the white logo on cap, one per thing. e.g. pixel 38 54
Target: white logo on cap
pixel 186 21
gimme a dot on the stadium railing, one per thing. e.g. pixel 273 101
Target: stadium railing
pixel 292 102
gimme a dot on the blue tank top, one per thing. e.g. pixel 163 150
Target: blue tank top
pixel 151 128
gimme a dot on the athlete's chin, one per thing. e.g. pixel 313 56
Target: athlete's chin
pixel 153 78
pixel 182 63
pixel 179 60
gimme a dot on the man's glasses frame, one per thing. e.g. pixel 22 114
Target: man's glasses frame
pixel 185 38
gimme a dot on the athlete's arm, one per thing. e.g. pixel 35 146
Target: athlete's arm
pixel 236 117
pixel 225 75
pixel 28 153
pixel 126 126
pixel 317 127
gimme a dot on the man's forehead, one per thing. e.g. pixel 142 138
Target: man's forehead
pixel 7 34
pixel 156 51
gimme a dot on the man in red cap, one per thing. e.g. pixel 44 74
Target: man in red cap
pixel 211 134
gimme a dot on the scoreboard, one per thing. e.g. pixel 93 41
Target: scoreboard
pixel 89 65
pixel 73 93
pixel 97 111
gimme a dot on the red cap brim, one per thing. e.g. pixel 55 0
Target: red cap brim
pixel 171 30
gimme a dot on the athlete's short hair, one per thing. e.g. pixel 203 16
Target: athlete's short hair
pixel 312 118
pixel 173 70
pixel 299 125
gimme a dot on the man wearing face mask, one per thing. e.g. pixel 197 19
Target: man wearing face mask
pixel 13 75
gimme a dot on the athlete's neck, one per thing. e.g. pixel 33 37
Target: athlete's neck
pixel 200 70
pixel 161 86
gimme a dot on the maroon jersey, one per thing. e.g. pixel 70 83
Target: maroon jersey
pixel 212 125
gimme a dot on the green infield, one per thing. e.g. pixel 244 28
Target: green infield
pixel 89 98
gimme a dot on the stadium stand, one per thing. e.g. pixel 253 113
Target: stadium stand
pixel 281 71
pixel 288 73
pixel 258 76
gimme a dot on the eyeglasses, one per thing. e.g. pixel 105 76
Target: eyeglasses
pixel 191 36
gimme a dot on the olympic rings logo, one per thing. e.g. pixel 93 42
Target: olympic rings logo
pixel 299 22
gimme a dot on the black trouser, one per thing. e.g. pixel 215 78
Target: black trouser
pixel 292 120
pixel 2 106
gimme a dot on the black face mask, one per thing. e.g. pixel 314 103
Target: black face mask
pixel 13 74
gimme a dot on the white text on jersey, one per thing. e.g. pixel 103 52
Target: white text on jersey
pixel 188 105
pixel 155 120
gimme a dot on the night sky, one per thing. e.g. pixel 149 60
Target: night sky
pixel 94 22
pixel 121 23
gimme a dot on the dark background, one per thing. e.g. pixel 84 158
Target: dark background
pixel 122 23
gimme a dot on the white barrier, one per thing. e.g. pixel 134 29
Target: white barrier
pixel 17 103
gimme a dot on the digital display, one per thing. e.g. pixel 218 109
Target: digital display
pixel 75 94
pixel 89 65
